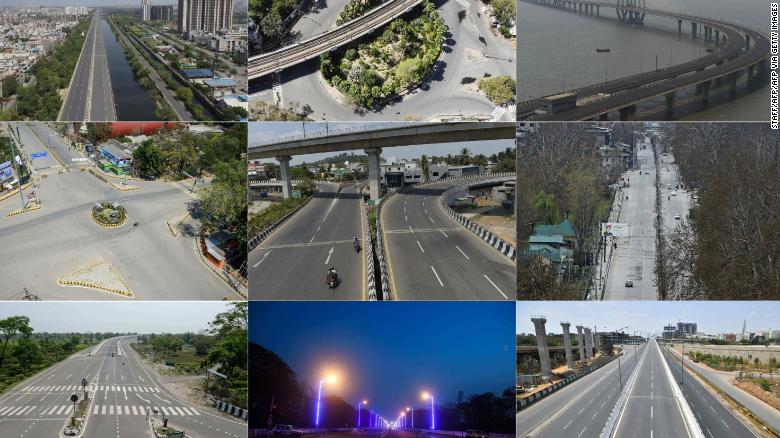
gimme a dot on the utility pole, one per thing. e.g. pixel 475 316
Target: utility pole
pixel 15 162
pixel 682 362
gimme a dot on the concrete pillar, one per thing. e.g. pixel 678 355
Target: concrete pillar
pixel 598 10
pixel 679 27
pixel 751 69
pixel 588 343
pixel 567 345
pixel 717 37
pixel 284 168
pixel 580 343
pixel 627 112
pixel 373 172
pixel 670 103
pixel 693 30
pixel 541 344
pixel 733 84
pixel 747 42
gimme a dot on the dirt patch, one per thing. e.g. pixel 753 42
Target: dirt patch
pixel 497 220
pixel 753 388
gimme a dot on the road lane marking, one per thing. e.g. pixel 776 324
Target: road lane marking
pixel 432 221
pixel 330 253
pixel 581 432
pixel 445 234
pixel 300 245
pixel 567 424
pixel 406 218
pixel 437 276
pixel 499 290
pixel 421 248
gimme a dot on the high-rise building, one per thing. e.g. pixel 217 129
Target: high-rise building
pixel 146 6
pixel 162 13
pixel 205 15
pixel 686 328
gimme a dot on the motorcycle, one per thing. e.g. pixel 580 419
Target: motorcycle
pixel 356 244
pixel 332 280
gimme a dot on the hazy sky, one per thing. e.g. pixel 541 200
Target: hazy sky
pixel 267 132
pixel 123 316
pixel 388 352
pixel 712 317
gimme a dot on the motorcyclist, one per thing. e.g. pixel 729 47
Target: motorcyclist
pixel 355 242
pixel 333 275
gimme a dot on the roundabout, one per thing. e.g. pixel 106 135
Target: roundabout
pixel 109 215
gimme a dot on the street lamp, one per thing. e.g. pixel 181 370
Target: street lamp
pixel 425 396
pixel 330 379
pixel 403 419
pixel 364 402
pixel 411 415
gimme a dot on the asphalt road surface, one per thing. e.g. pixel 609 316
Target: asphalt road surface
pixel 465 56
pixel 433 257
pixel 320 18
pixel 582 408
pixel 634 257
pixel 292 263
pixel 123 391
pixel 60 238
pixel 90 96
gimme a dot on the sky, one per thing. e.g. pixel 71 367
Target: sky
pixel 712 317
pixel 389 352
pixel 122 316
pixel 267 132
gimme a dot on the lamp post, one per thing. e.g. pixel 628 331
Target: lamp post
pixel 364 402
pixel 330 379
pixel 411 415
pixel 426 396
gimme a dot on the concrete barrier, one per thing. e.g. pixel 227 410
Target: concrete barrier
pixel 368 252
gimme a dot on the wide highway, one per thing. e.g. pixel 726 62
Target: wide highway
pixel 433 257
pixel 293 261
pixel 90 96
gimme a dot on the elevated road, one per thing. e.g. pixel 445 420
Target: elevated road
pixel 744 48
pixel 288 56
pixel 433 257
pixel 90 97
pixel 291 264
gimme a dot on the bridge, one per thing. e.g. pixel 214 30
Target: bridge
pixel 739 48
pixel 372 141
pixel 313 47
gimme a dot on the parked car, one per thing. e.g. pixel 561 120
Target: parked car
pixel 286 430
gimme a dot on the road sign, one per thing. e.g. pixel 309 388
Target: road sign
pixel 74 398
pixel 79 159
pixel 40 154
pixel 7 164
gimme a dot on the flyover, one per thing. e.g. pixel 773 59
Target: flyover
pixel 289 56
pixel 740 48
pixel 90 96
pixel 372 141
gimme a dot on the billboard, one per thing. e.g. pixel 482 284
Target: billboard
pixel 6 172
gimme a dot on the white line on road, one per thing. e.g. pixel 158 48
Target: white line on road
pixel 330 253
pixel 567 424
pixel 494 285
pixel 261 259
pixel 461 251
pixel 437 276
pixel 651 412
pixel 421 249
pixel 445 234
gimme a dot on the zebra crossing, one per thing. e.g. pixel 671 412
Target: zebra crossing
pixel 143 410
pixel 26 411
pixel 98 388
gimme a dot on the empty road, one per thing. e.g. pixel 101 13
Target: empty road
pixel 90 97
pixel 292 263
pixel 433 257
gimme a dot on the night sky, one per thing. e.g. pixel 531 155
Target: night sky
pixel 389 352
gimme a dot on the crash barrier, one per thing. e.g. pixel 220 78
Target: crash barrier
pixel 496 242
pixel 387 286
pixel 582 372
pixel 368 252
pixel 259 237
pixel 230 409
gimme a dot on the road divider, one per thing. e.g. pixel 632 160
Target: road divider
pixel 690 421
pixel 230 409
pixel 368 252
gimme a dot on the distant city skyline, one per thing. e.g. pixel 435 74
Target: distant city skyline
pixel 712 317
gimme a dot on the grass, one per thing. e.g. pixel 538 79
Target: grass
pixel 184 363
pixel 260 221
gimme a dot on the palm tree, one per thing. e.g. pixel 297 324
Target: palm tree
pixel 545 204
pixel 424 167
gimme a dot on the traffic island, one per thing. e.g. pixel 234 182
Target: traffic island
pixel 109 215
pixel 31 206
pixel 102 276
pixel 75 424
pixel 124 187
pixel 161 429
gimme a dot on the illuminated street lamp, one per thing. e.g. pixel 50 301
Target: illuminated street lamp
pixel 426 396
pixel 411 415
pixel 330 379
pixel 403 419
pixel 364 402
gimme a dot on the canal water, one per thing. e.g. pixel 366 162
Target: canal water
pixel 557 51
pixel 132 100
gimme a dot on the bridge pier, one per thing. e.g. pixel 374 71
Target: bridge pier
pixel 693 30
pixel 374 182
pixel 580 343
pixel 703 89
pixel 588 343
pixel 670 104
pixel 598 8
pixel 284 169
pixel 627 112
pixel 717 37
pixel 679 27
pixel 733 85
pixel 747 42
pixel 750 74
pixel 567 345
pixel 541 345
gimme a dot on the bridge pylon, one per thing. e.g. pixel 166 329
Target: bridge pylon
pixel 627 12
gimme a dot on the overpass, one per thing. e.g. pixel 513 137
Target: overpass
pixel 739 48
pixel 313 47
pixel 373 140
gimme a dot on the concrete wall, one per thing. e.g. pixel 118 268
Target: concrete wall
pixel 749 352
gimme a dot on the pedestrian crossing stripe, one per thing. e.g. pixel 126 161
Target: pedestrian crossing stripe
pixel 115 388
pixel 497 113
pixel 142 410
pixel 16 411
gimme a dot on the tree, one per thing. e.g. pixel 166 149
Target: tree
pixel 230 328
pixel 271 27
pixel 545 204
pixel 499 89
pixel 27 353
pixel 98 132
pixel 426 170
pixel 148 160
pixel 11 327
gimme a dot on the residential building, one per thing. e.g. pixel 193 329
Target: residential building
pixel 205 15
pixel 161 13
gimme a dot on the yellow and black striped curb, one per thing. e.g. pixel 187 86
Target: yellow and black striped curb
pixel 124 188
pixel 91 216
pixel 15 191
pixel 126 293
pixel 114 176
pixel 174 229
pixel 24 210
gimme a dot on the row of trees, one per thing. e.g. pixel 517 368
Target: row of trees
pixel 293 400
pixel 729 248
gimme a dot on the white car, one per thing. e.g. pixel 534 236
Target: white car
pixel 286 430
pixel 677 217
